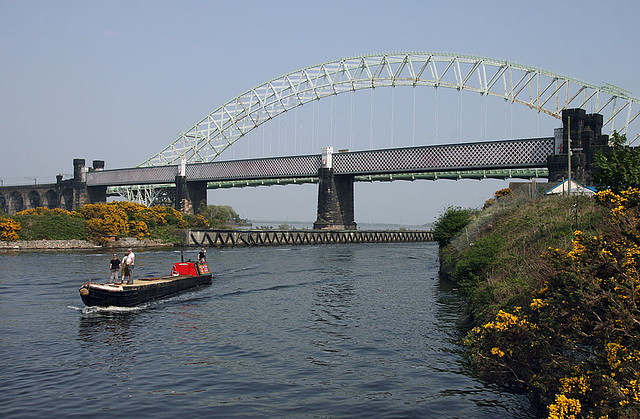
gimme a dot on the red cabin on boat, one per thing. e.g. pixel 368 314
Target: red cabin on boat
pixel 189 268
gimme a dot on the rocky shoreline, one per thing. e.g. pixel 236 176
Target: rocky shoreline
pixel 122 243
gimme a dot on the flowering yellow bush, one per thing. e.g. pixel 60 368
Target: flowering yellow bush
pixel 503 192
pixel 202 222
pixel 564 408
pixel 138 229
pixel 126 219
pixel 571 384
pixel 99 228
pixel 497 351
pixel 536 304
pixel 578 247
pixel 95 222
pixel 9 229
pixel 104 220
pixel 504 321
pixel 576 342
pixel 594 294
pixel 47 211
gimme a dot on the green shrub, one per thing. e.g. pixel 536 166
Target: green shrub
pixel 618 168
pixel 473 263
pixel 218 216
pixel 452 221
pixel 169 233
pixel 51 226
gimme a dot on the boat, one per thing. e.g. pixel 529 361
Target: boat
pixel 183 276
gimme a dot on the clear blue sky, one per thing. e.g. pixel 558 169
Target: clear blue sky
pixel 118 80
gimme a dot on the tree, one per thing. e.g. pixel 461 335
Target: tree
pixel 219 215
pixel 450 223
pixel 619 169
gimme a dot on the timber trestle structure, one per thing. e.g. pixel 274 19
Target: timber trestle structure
pixel 233 238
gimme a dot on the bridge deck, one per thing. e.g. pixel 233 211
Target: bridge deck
pixel 507 154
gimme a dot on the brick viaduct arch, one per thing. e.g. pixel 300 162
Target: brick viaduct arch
pixel 66 194
pixel 20 198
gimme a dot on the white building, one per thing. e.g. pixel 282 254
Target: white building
pixel 577 188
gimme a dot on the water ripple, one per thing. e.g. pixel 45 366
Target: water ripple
pixel 337 331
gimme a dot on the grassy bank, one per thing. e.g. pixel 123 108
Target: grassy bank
pixel 552 285
pixel 99 223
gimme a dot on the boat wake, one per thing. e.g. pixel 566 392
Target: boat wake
pixel 95 310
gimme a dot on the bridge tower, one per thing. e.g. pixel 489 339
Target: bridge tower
pixel 189 194
pixel 585 132
pixel 335 197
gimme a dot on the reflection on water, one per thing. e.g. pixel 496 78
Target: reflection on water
pixel 108 326
pixel 106 339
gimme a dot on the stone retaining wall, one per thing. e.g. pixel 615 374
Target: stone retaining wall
pixel 79 244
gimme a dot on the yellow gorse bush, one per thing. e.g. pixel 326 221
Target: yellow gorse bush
pixel 505 321
pixel 9 229
pixel 577 340
pixel 564 408
pixel 126 219
pixel 571 384
pixel 503 192
pixel 47 211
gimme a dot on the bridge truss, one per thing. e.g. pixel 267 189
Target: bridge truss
pixel 165 194
pixel 526 159
pixel 543 91
pixel 485 156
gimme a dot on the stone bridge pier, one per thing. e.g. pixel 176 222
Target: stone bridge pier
pixel 335 197
pixel 189 194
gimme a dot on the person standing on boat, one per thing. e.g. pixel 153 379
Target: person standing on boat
pixel 202 256
pixel 125 268
pixel 130 261
pixel 114 267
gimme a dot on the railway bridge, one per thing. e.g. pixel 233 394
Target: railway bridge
pixel 335 173
pixel 193 162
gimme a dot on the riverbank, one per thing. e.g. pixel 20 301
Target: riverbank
pixel 551 285
pixel 231 238
pixel 123 243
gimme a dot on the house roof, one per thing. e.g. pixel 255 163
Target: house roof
pixel 576 187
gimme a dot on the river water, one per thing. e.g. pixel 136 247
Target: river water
pixel 362 330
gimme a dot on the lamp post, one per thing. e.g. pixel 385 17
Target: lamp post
pixel 568 156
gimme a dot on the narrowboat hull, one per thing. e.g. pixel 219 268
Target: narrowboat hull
pixel 142 290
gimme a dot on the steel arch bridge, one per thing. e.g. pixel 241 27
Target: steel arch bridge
pixel 540 90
